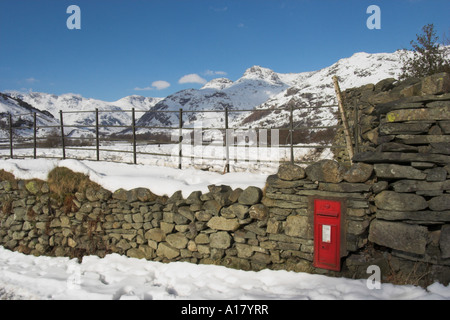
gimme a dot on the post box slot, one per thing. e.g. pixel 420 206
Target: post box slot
pixel 328 214
pixel 327 207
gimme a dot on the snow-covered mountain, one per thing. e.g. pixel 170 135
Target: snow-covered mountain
pixel 140 103
pixel 262 88
pixel 80 111
pixel 22 117
pixel 315 89
pixel 258 88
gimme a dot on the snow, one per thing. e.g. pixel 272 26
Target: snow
pixel 244 157
pixel 119 277
pixel 113 176
pixel 218 84
pixel 80 111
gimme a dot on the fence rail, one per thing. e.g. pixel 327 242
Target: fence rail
pixel 136 140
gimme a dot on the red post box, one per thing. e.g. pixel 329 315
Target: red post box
pixel 327 234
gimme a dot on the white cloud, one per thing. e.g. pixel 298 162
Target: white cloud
pixel 160 84
pixel 31 80
pixel 156 85
pixel 215 73
pixel 143 89
pixel 192 78
pixel 219 9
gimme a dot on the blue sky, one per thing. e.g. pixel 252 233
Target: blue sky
pixel 157 47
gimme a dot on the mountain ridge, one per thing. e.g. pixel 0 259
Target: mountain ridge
pixel 263 88
pixel 258 88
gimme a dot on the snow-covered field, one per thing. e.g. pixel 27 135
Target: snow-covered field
pixel 210 157
pixel 119 277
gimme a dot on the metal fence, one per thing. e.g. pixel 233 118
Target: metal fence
pixel 26 136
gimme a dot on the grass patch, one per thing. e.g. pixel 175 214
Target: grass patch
pixel 6 176
pixel 63 181
pixel 417 275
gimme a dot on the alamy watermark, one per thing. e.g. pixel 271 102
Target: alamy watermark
pixel 374 280
pixel 374 21
pixel 231 145
pixel 74 21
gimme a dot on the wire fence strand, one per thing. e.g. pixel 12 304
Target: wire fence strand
pixel 93 135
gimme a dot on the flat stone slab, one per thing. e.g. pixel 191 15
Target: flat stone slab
pixel 423 114
pixel 399 236
pixel 390 200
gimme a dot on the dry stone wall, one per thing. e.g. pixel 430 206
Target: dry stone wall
pixel 249 229
pixel 368 106
pixel 405 129
pixel 203 228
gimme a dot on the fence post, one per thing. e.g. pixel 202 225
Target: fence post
pixel 11 152
pixel 348 138
pixel 35 135
pixel 97 134
pixel 133 116
pixel 292 133
pixel 180 140
pixel 227 143
pixel 62 133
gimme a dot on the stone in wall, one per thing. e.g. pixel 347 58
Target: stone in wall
pixel 394 201
pixel 290 172
pixel 394 171
pixel 400 236
pixel 436 84
pixel 444 241
pixel 325 171
pixel 358 173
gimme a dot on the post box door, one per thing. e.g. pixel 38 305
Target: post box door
pixel 327 234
